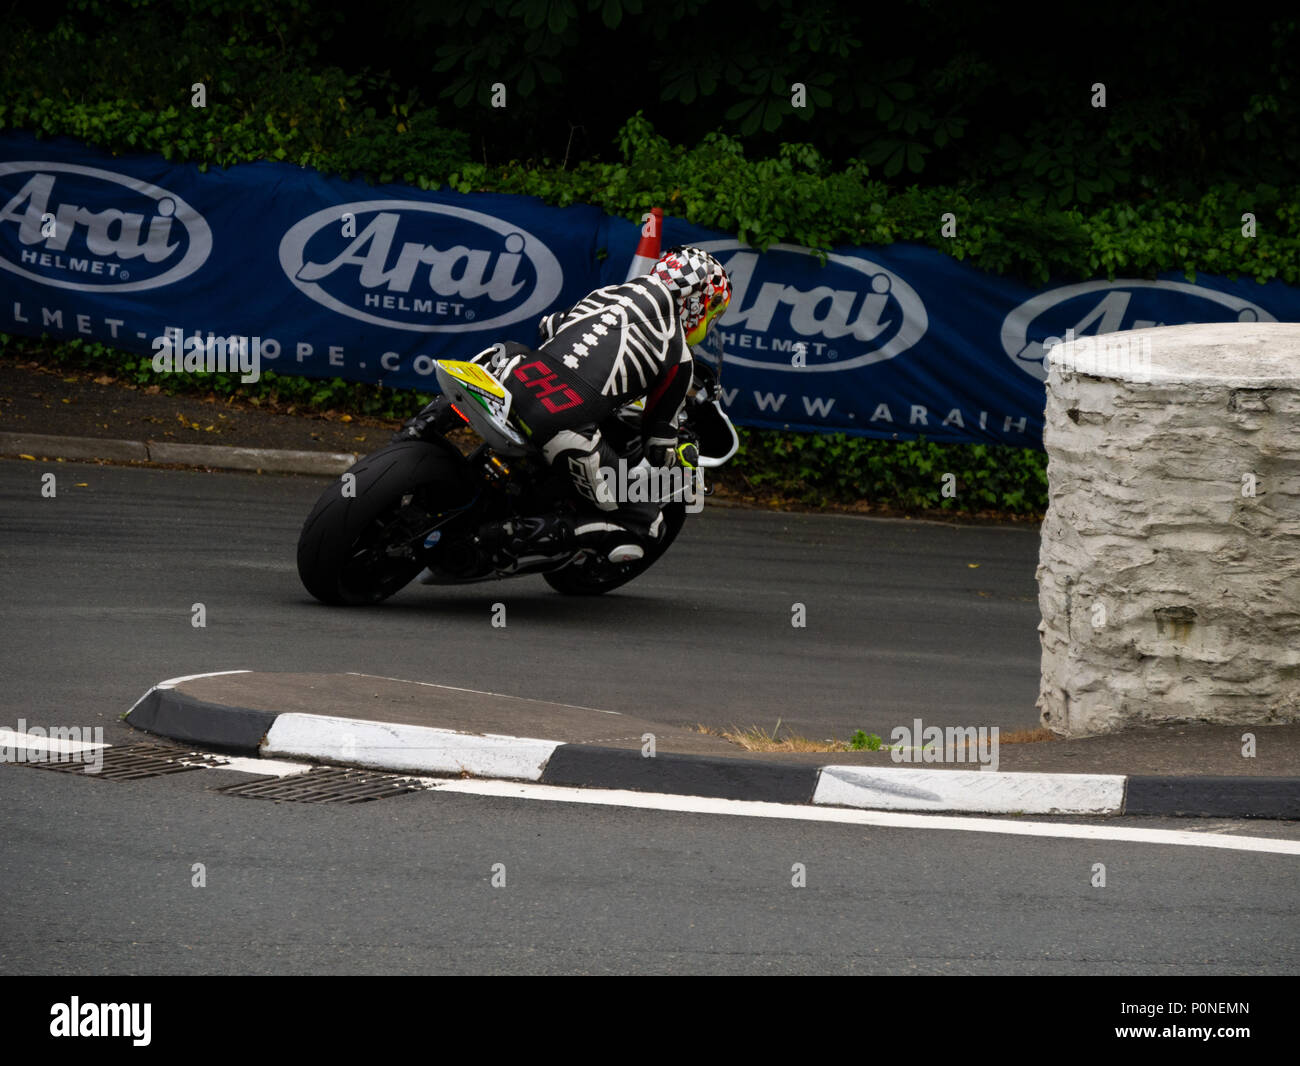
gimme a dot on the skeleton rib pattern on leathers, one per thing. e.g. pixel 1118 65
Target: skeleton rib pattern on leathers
pixel 617 345
pixel 622 339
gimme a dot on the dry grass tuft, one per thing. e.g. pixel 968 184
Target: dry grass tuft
pixel 756 738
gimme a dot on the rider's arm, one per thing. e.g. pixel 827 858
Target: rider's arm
pixel 662 405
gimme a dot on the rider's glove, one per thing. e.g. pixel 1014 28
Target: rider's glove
pixel 661 449
pixel 668 453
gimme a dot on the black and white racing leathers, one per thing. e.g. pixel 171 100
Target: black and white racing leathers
pixel 617 345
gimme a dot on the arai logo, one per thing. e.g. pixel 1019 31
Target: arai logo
pixel 850 313
pixel 405 264
pixel 91 230
pixel 1097 307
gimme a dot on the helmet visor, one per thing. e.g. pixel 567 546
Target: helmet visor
pixel 716 307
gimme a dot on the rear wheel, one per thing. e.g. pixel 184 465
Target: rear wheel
pixel 595 577
pixel 357 548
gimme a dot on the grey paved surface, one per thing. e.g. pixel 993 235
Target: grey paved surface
pixel 98 587
pixel 99 583
pixel 97 876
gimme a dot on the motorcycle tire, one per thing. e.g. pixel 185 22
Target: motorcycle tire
pixel 342 556
pixel 596 579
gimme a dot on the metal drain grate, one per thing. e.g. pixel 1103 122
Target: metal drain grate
pixel 134 762
pixel 326 785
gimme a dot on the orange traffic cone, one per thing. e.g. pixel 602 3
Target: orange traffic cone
pixel 647 251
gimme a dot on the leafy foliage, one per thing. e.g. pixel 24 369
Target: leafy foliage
pixel 797 196
pixel 934 90
pixel 819 468
pixel 1072 193
pixel 262 100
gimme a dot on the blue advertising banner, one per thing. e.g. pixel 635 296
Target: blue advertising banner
pixel 333 278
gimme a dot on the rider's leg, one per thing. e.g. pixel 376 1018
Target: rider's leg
pixel 616 531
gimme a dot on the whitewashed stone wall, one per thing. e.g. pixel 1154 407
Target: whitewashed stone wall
pixel 1169 569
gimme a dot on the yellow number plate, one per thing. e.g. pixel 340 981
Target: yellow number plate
pixel 474 376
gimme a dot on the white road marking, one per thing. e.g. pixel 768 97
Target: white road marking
pixel 407 748
pixel 901 788
pixel 174 681
pixel 1210 838
pixel 265 767
pixel 884 819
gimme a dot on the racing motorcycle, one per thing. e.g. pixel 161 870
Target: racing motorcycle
pixel 415 507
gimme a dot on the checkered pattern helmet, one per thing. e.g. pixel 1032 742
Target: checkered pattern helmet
pixel 698 282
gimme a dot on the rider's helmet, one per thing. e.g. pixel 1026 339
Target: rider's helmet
pixel 700 285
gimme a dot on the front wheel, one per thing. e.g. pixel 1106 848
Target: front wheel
pixel 356 545
pixel 596 577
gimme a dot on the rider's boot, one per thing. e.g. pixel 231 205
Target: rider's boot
pixel 550 536
pixel 514 539
pixel 623 538
pixel 609 540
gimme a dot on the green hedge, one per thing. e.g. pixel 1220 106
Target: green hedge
pixel 832 468
pixel 933 92
pixel 124 93
pixel 797 198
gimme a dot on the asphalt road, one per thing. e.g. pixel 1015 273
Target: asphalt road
pixel 98 585
pixel 98 875
pixel 903 618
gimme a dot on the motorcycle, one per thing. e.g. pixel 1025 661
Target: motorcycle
pixel 415 507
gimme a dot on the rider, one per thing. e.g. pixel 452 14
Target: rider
pixel 619 344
